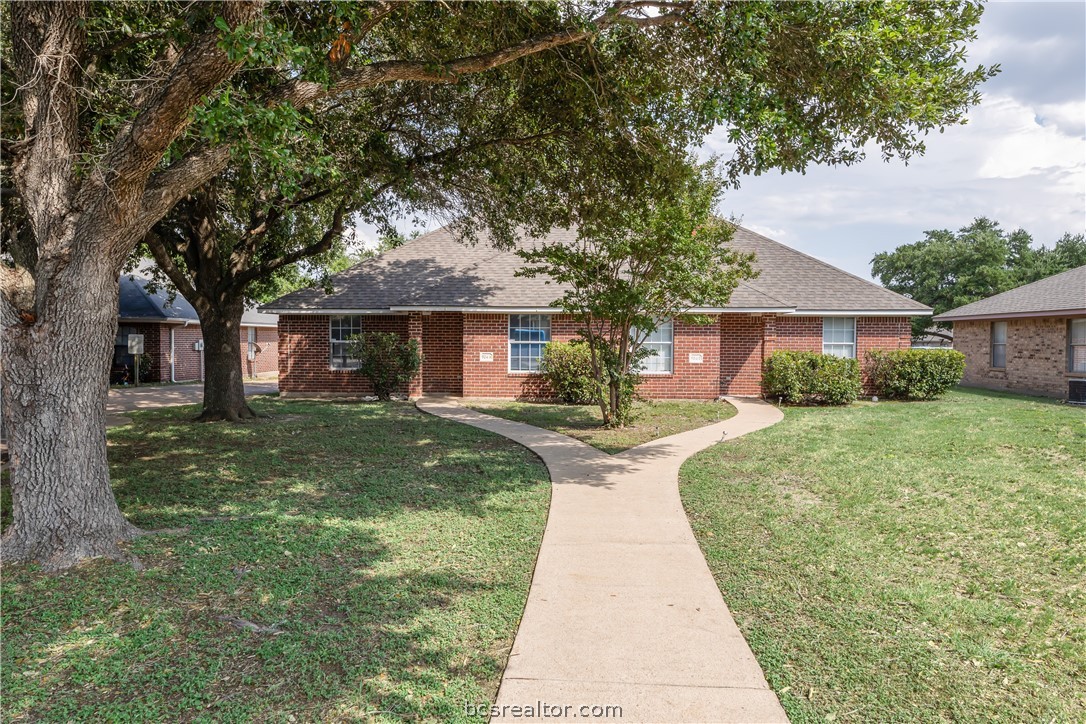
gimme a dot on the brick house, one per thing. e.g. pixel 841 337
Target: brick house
pixel 173 340
pixel 481 329
pixel 1031 339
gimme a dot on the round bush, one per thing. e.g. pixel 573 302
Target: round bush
pixel 568 368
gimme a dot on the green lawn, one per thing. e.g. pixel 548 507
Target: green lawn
pixel 652 420
pixel 392 549
pixel 907 561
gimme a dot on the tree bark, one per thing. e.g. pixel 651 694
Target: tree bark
pixel 55 384
pixel 224 381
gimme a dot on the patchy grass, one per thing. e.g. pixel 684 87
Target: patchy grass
pixel 393 550
pixel 652 420
pixel 907 561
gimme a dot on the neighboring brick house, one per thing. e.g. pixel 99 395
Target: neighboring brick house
pixel 173 340
pixel 1030 339
pixel 482 329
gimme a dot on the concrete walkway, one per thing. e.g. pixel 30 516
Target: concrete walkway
pixel 127 399
pixel 623 610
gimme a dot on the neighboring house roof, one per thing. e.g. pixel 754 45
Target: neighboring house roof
pixel 138 303
pixel 436 272
pixel 1058 295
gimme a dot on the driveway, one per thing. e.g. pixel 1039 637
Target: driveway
pixel 127 399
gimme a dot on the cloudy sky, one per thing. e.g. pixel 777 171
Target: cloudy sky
pixel 1021 159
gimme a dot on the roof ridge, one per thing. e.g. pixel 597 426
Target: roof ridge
pixel 826 264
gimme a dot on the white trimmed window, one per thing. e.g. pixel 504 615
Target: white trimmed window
pixel 341 329
pixel 999 345
pixel 528 333
pixel 661 347
pixel 839 336
pixel 1076 345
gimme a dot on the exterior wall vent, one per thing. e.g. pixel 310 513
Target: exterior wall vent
pixel 1076 392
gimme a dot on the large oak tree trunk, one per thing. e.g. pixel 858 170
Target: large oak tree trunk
pixel 224 382
pixel 55 381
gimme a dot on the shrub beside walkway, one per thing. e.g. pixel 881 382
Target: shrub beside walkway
pixel 623 610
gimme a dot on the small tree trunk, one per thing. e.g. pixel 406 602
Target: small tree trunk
pixel 224 381
pixel 55 380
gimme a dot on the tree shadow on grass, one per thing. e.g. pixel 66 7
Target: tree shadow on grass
pixel 393 550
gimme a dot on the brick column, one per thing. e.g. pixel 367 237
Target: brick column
pixel 414 331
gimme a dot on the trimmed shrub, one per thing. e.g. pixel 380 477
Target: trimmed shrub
pixel 386 360
pixel 914 374
pixel 568 368
pixel 809 378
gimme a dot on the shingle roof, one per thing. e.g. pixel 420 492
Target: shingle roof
pixel 137 302
pixel 436 270
pixel 1060 293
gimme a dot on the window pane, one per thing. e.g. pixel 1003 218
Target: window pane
pixel 838 331
pixel 1078 331
pixel 999 355
pixel 1078 358
pixel 999 332
pixel 839 350
pixel 660 345
pixel 527 335
pixel 341 329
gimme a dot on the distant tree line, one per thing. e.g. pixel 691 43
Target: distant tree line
pixel 948 269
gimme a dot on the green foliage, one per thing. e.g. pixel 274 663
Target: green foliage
pixel 386 359
pixel 810 378
pixel 568 368
pixel 948 269
pixel 915 374
pixel 626 273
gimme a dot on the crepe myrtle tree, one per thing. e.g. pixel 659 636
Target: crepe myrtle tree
pixel 114 113
pixel 622 278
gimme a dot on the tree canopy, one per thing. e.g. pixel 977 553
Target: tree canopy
pixel 623 279
pixel 947 269
pixel 116 112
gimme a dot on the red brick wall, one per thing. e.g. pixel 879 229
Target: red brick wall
pixel 799 334
pixel 490 333
pixel 305 351
pixel 741 353
pixel 732 350
pixel 1036 356
pixel 188 362
pixel 692 381
pixel 443 353
pixel 267 352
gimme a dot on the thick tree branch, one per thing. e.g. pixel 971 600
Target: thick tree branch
pixel 301 92
pixel 138 148
pixel 157 241
pixel 335 230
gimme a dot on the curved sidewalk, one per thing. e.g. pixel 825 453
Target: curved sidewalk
pixel 623 610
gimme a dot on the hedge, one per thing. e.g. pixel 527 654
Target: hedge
pixel 915 374
pixel 809 378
